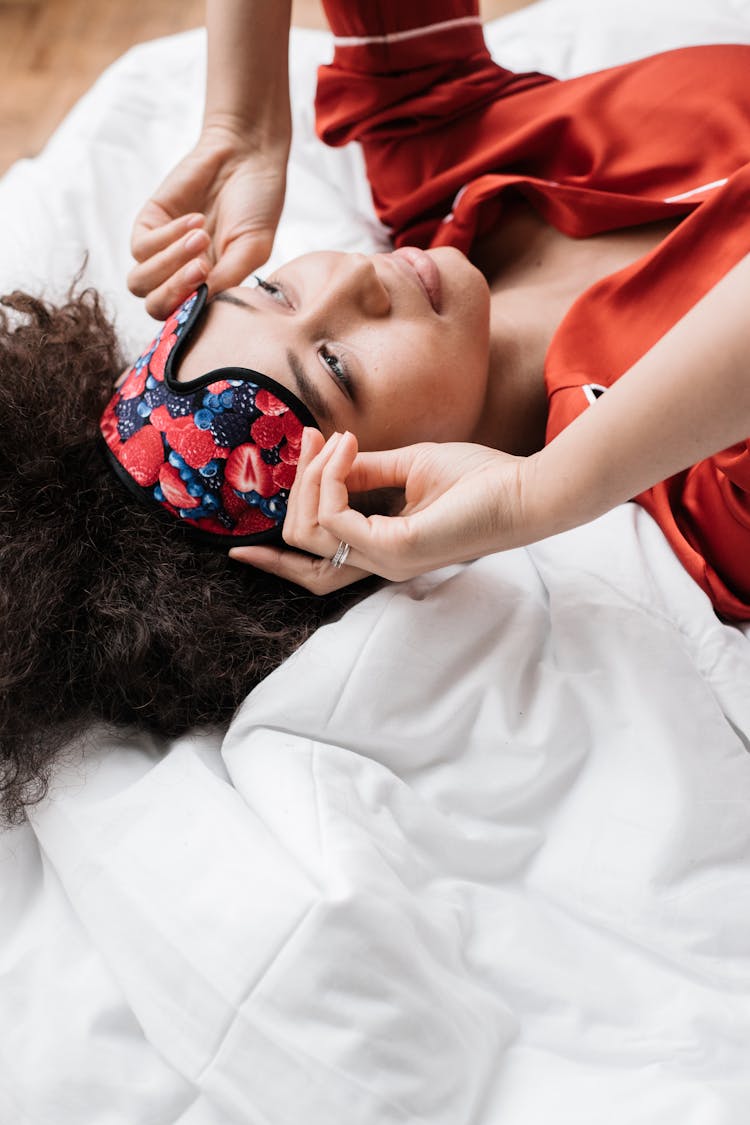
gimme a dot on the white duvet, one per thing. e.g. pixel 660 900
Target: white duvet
pixel 478 854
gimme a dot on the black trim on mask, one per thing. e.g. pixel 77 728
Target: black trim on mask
pixel 246 374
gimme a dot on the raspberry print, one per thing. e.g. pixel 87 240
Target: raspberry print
pixel 160 418
pixel 134 384
pixel 142 456
pixel 293 428
pixel 269 404
pixel 267 431
pixel 196 446
pixel 283 475
pixel 234 505
pixel 253 520
pixel 159 358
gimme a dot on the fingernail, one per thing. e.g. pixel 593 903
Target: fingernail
pixel 196 271
pixel 195 240
pixel 194 221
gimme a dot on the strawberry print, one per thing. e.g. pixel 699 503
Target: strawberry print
pixel 246 471
pixel 174 489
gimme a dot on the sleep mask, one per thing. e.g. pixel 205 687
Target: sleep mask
pixel 219 452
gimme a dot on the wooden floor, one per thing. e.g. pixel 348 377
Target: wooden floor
pixel 52 50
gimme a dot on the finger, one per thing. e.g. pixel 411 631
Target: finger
pixel 302 528
pixel 165 299
pixel 301 525
pixel 238 259
pixel 313 573
pixel 154 229
pixel 333 507
pixel 302 510
pixel 377 542
pixel 387 468
pixel 312 443
pixel 147 276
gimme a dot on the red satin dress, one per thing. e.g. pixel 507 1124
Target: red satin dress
pixel 447 134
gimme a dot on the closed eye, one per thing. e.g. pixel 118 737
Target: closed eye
pixel 336 365
pixel 274 290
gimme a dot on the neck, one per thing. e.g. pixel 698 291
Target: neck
pixel 515 415
pixel 531 289
pixel 535 274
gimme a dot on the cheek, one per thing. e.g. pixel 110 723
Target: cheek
pixel 428 383
pixel 439 399
pixel 455 382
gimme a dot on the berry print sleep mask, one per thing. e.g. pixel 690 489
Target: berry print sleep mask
pixel 219 452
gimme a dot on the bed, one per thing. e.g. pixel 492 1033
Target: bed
pixel 491 865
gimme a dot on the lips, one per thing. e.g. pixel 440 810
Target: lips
pixel 425 271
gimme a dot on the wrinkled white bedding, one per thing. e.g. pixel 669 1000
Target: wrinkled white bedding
pixel 478 854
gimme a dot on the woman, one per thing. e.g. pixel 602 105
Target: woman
pixel 109 613
pixel 566 240
pixel 131 621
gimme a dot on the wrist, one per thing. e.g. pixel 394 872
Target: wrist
pixel 227 141
pixel 557 493
pixel 247 79
pixel 269 133
pixel 537 510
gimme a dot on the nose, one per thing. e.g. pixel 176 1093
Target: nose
pixel 352 287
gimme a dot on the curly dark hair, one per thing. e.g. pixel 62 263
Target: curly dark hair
pixel 108 612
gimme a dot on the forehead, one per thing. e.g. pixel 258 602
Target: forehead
pixel 235 331
pixel 228 335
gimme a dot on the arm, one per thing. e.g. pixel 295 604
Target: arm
pixel 247 76
pixel 214 217
pixel 686 399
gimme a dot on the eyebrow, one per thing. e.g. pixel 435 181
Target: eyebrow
pixel 306 389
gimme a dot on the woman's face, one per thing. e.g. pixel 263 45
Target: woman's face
pixel 393 347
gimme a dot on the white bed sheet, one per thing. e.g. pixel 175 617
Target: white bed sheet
pixel 479 853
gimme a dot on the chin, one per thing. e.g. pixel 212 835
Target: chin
pixel 466 300
pixel 459 277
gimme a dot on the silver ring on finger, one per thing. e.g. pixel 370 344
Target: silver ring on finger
pixel 342 554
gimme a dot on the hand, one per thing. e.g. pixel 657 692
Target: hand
pixel 212 219
pixel 461 501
